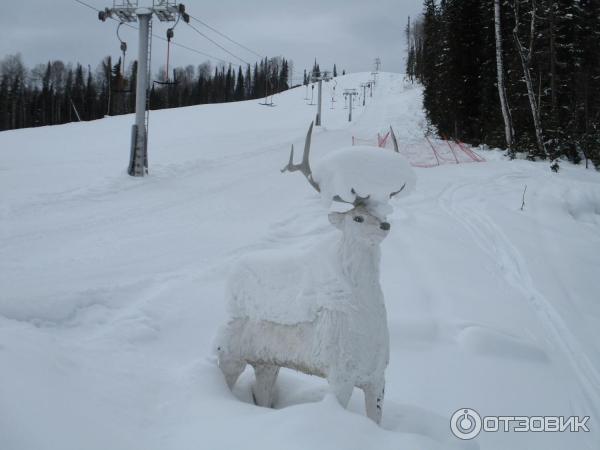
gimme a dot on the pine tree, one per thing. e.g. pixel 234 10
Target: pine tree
pixel 78 91
pixel 240 88
pixel 316 71
pixel 90 97
pixel 117 87
pixel 229 85
pixel 4 125
pixel 69 115
pixel 132 86
pixel 248 81
pixel 410 64
pixel 282 84
pixel 588 81
pixel 259 82
pixel 431 56
pixel 104 80
pixel 47 96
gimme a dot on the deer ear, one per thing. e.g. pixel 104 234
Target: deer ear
pixel 336 219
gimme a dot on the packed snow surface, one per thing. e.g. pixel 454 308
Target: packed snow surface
pixel 112 288
pixel 366 172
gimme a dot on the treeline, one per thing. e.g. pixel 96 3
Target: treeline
pixel 56 93
pixel 515 74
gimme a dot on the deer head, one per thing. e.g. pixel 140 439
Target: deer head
pixel 360 224
pixel 359 221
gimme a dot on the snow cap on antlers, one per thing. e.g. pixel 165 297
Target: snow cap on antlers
pixel 350 176
pixel 370 173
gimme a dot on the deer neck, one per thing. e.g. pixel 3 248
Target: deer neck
pixel 359 262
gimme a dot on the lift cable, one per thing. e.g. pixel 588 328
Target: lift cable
pixel 227 37
pixel 217 44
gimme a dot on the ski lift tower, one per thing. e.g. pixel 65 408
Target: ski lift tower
pixel 323 76
pixel 364 87
pixel 129 11
pixel 374 80
pixel 350 94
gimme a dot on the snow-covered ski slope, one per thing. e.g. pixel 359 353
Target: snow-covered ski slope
pixel 111 288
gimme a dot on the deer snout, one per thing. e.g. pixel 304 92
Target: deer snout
pixel 385 226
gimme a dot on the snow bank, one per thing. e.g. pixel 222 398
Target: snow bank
pixel 583 205
pixel 366 172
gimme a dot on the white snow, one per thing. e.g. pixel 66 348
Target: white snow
pixel 365 171
pixel 284 286
pixel 112 288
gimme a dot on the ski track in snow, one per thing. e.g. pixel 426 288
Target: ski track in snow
pixel 112 287
pixel 465 202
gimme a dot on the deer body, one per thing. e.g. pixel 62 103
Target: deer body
pixel 321 313
pixel 331 324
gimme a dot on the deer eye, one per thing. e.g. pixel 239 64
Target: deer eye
pixel 359 219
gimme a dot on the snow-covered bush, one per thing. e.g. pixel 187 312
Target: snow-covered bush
pixel 321 312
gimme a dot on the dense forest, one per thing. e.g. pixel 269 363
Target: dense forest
pixel 56 93
pixel 517 74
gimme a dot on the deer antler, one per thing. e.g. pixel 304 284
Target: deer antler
pixel 395 142
pixel 358 200
pixel 304 166
pixel 397 192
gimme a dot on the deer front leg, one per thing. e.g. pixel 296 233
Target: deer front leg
pixel 374 393
pixel 264 389
pixel 232 368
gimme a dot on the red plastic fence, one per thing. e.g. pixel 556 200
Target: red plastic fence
pixel 382 140
pixel 430 153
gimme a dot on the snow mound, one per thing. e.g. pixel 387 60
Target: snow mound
pixel 364 171
pixel 583 204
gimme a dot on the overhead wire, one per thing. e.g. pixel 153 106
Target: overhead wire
pixel 217 44
pixel 227 37
pixel 224 61
pixel 267 82
pixel 176 44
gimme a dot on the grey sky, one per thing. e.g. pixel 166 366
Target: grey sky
pixel 350 33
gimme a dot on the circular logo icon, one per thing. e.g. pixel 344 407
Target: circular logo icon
pixel 465 423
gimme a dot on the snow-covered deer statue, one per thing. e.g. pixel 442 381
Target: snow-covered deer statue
pixel 320 312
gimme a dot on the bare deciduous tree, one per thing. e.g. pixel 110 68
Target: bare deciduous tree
pixel 525 56
pixel 508 125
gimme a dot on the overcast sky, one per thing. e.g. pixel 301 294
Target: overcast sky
pixel 350 33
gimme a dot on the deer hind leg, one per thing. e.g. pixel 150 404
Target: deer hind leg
pixel 264 388
pixel 342 388
pixel 374 393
